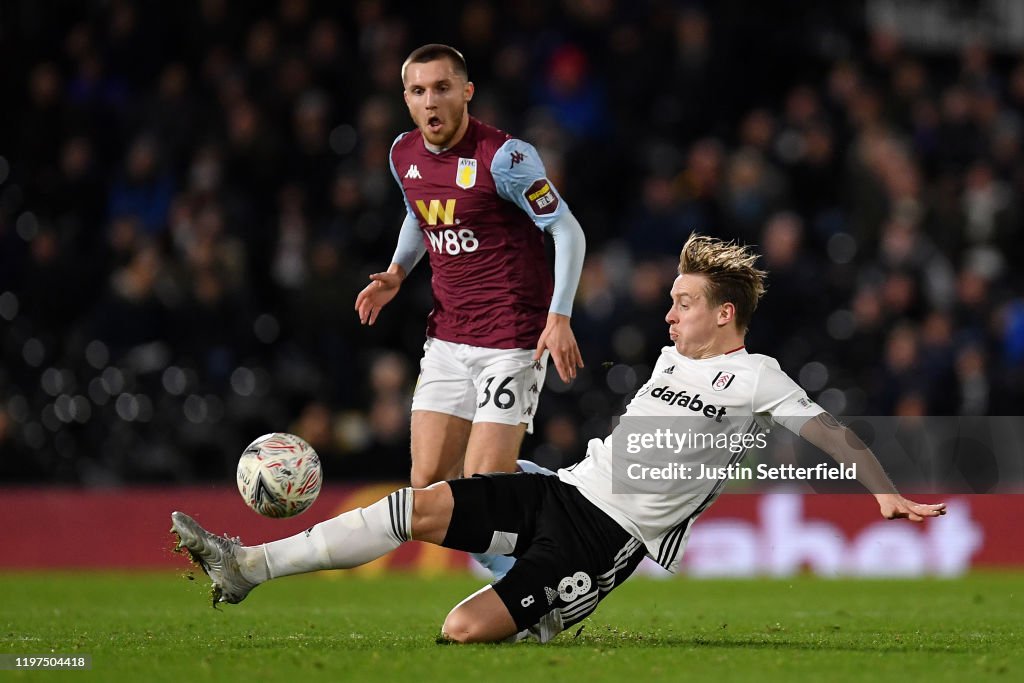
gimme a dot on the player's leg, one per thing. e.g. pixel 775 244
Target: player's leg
pixel 576 556
pixel 480 618
pixel 508 384
pixel 482 457
pixel 348 540
pixel 493 447
pixel 443 406
pixel 438 444
pixel 432 510
pixel 497 514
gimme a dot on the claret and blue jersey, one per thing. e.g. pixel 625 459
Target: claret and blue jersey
pixel 482 206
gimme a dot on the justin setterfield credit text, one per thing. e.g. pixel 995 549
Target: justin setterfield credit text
pixel 762 472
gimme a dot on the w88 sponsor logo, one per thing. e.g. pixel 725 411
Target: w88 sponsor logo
pixel 453 242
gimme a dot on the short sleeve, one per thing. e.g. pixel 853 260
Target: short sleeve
pixel 777 395
pixel 520 178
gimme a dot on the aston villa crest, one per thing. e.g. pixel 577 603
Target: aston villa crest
pixel 465 175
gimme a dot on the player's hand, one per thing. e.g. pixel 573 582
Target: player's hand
pixel 558 339
pixel 378 293
pixel 895 506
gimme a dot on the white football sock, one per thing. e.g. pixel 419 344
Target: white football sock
pixel 348 540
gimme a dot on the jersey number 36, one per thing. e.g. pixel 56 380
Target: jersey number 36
pixel 503 396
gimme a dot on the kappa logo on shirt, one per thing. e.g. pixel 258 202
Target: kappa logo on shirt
pixel 669 370
pixel 413 173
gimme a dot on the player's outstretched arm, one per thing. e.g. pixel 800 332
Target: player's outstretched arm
pixel 376 295
pixel 559 339
pixel 845 447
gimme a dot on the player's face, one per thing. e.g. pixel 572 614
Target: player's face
pixel 437 97
pixel 694 325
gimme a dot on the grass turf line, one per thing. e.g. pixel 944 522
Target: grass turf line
pixel 153 627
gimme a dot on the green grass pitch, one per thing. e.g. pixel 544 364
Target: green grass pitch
pixel 155 627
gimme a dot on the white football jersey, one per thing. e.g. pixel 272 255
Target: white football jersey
pixel 724 397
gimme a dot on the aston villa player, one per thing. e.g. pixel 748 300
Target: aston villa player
pixel 479 202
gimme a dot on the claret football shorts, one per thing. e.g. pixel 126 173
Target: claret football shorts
pixel 479 384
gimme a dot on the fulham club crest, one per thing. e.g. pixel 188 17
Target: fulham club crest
pixel 722 381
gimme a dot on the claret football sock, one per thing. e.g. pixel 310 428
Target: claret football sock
pixel 348 540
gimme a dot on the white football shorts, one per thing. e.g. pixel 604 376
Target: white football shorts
pixel 480 384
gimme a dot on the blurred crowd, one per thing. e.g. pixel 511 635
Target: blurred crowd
pixel 192 194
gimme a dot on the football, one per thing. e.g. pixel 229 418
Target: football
pixel 279 475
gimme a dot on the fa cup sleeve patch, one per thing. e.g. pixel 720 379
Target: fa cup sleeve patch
pixel 541 197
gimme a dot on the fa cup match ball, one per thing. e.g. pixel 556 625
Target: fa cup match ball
pixel 279 475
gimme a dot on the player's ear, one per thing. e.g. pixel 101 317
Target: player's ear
pixel 470 89
pixel 726 313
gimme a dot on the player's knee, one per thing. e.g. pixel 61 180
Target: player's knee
pixel 461 628
pixel 420 480
pixel 421 476
pixel 431 512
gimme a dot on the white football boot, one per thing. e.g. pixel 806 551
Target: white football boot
pixel 215 555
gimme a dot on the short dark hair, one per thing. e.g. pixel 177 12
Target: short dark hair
pixel 435 51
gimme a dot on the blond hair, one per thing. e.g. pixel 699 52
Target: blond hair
pixel 730 271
